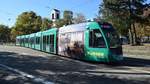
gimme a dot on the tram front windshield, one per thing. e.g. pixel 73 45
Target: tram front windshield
pixel 111 36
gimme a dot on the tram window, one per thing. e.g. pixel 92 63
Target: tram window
pixel 96 39
pixel 47 41
pixel 32 40
pixel 37 40
pixel 26 40
pixel 44 39
pixel 51 39
pixel 17 40
pixel 29 40
pixel 51 43
pixel 22 40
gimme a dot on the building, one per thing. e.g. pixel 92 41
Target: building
pixel 55 15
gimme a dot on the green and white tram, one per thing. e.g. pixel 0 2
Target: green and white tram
pixel 91 41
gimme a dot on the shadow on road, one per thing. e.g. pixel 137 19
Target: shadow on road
pixel 136 62
pixel 66 71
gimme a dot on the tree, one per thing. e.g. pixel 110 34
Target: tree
pixel 14 33
pixel 60 23
pixel 123 12
pixel 28 22
pixel 4 33
pixel 46 24
pixel 79 18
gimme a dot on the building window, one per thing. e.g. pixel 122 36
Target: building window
pixel 57 16
pixel 53 16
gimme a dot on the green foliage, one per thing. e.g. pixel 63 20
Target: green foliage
pixel 46 24
pixel 28 22
pixel 121 14
pixel 60 23
pixel 4 33
pixel 14 33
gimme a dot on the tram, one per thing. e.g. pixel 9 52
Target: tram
pixel 90 41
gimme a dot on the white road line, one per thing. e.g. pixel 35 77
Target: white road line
pixel 129 72
pixel 23 74
pixel 24 53
pixel 140 70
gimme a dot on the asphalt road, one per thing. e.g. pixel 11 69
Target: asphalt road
pixel 20 65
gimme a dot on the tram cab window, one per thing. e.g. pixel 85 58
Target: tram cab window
pixel 96 39
pixel 112 37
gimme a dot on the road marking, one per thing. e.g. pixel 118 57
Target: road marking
pixel 139 70
pixel 24 53
pixel 131 72
pixel 23 74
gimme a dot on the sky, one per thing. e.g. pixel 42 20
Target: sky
pixel 10 9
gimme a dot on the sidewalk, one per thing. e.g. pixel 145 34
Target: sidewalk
pixel 137 50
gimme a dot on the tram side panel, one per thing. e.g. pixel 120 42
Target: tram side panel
pixel 26 40
pixel 37 40
pixel 71 44
pixel 49 38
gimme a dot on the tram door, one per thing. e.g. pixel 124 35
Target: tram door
pixel 47 43
pixel 95 46
pixel 51 43
pixel 44 43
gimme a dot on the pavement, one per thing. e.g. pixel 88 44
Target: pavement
pixel 20 65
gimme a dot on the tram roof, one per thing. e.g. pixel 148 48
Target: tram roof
pixel 74 27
